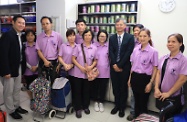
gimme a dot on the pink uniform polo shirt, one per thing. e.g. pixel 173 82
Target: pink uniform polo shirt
pixel 143 61
pixel 90 53
pixel 103 64
pixel 49 45
pixel 66 53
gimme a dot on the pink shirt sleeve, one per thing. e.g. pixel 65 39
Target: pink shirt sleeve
pixel 75 51
pixel 131 57
pixel 61 50
pixel 37 44
pixel 60 41
pixel 155 58
pixel 96 54
pixel 183 69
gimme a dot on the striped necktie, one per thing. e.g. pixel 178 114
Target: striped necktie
pixel 119 46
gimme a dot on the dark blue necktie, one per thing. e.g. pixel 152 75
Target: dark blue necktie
pixel 119 46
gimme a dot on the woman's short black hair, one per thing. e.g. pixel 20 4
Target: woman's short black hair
pixel 70 32
pixel 30 31
pixel 138 25
pixel 102 31
pixel 86 31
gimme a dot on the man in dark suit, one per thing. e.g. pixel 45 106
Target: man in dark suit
pixel 121 46
pixel 10 67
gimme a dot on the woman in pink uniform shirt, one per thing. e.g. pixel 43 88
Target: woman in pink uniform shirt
pixel 175 73
pixel 30 59
pixel 144 61
pixel 100 84
pixel 66 50
pixel 65 55
pixel 81 85
pixel 136 31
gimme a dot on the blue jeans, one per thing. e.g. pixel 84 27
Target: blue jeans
pixel 132 102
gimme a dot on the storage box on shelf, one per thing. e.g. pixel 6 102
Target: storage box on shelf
pixel 102 15
pixel 27 9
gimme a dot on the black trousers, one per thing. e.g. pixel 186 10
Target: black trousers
pixel 30 79
pixel 81 93
pixel 120 88
pixel 138 84
pixel 71 78
pixel 185 95
pixel 98 89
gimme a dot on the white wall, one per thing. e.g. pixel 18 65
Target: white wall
pixel 64 9
pixel 162 24
pixel 51 9
pixel 71 10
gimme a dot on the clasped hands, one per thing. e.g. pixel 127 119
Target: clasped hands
pixel 86 68
pixel 160 95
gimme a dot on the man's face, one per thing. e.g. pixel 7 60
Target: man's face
pixel 120 26
pixel 46 24
pixel 81 27
pixel 19 24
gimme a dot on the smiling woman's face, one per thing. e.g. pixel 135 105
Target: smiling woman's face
pixel 88 37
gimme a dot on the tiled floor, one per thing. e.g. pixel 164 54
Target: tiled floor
pixel 93 117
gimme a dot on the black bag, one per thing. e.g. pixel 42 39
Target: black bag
pixel 63 72
pixel 176 100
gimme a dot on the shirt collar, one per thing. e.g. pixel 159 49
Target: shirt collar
pixel 27 45
pixel 98 44
pixel 19 34
pixel 146 48
pixel 121 35
pixel 136 41
pixel 78 35
pixel 68 44
pixel 14 31
pixel 52 34
pixel 90 47
pixel 178 56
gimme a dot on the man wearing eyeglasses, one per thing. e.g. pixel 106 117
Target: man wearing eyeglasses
pixel 121 46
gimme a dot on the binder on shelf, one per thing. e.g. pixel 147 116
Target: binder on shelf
pixel 102 15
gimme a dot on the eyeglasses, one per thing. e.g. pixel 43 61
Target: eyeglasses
pixel 102 36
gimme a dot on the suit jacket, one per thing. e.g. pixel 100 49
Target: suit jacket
pixel 127 47
pixel 23 63
pixel 9 54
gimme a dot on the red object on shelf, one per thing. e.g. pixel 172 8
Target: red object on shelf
pixel 9 19
pixel 3 19
pixel 6 19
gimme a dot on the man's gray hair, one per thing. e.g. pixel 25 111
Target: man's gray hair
pixel 120 19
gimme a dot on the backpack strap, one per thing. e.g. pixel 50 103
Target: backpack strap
pixel 84 56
